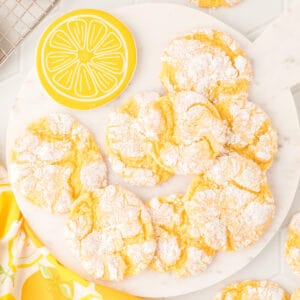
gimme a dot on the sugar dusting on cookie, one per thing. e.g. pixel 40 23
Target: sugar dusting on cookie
pixel 54 161
pixel 177 251
pixel 251 289
pixel 230 205
pixel 206 61
pixel 292 245
pixel 215 3
pixel 131 133
pixel 110 233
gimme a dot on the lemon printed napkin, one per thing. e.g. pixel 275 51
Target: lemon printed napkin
pixel 28 271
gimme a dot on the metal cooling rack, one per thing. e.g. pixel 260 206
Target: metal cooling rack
pixel 17 19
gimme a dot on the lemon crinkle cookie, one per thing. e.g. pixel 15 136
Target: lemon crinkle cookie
pixel 215 3
pixel 296 295
pixel 252 134
pixel 251 289
pixel 292 245
pixel 206 61
pixel 131 133
pixel 198 137
pixel 230 206
pixel 177 251
pixel 110 233
pixel 54 161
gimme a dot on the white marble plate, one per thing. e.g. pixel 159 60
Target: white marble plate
pixel 153 25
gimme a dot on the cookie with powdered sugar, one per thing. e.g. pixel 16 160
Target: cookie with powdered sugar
pixel 110 232
pixel 251 131
pixel 251 289
pixel 207 61
pixel 198 136
pixel 230 206
pixel 296 295
pixel 133 131
pixel 292 245
pixel 177 251
pixel 215 3
pixel 54 161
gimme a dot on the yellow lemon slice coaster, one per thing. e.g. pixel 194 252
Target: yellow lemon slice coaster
pixel 177 251
pixel 206 61
pixel 252 134
pixel 85 58
pixel 131 133
pixel 215 3
pixel 199 135
pixel 230 206
pixel 54 161
pixel 292 245
pixel 251 289
pixel 296 295
pixel 111 234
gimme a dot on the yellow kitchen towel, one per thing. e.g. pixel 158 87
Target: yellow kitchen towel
pixel 28 271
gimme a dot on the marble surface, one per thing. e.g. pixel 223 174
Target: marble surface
pixel 271 258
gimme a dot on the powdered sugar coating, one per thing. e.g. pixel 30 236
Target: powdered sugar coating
pixel 230 205
pixel 54 161
pixel 177 251
pixel 91 174
pixel 296 295
pixel 258 290
pixel 206 61
pixel 214 3
pixel 292 245
pixel 110 232
pixel 131 132
pixel 235 168
pixel 252 134
pixel 198 137
pixel 186 159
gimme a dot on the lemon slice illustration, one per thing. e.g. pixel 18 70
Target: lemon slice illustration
pixel 85 58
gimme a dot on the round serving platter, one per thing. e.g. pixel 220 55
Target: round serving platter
pixel 153 26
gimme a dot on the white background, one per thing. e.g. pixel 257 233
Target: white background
pixel 250 18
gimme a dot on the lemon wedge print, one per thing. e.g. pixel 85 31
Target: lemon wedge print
pixel 85 58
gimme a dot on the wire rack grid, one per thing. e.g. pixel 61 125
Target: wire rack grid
pixel 17 19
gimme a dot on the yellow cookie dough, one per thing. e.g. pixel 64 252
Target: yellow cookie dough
pixel 110 232
pixel 296 295
pixel 198 135
pixel 230 206
pixel 206 61
pixel 292 245
pixel 215 3
pixel 55 161
pixel 252 134
pixel 177 251
pixel 253 290
pixel 131 133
